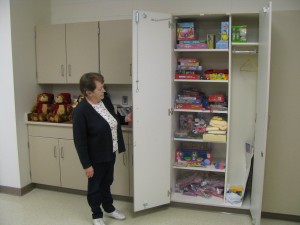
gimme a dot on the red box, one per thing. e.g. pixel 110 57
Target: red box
pixel 189 106
pixel 187 76
pixel 216 98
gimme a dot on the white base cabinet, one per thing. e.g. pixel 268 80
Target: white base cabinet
pixel 154 64
pixel 53 158
pixel 122 175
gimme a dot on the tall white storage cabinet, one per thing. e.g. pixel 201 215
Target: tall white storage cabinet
pixel 156 120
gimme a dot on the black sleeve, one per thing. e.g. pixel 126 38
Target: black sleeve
pixel 122 119
pixel 80 137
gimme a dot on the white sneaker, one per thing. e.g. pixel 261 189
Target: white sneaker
pixel 98 221
pixel 117 215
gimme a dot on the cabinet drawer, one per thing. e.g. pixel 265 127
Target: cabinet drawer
pixel 50 131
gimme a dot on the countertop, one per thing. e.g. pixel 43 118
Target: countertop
pixel 69 124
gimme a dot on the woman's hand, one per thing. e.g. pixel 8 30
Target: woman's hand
pixel 128 118
pixel 89 172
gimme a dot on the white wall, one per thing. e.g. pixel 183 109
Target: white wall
pixel 25 14
pixel 9 163
pixel 67 11
pixel 17 77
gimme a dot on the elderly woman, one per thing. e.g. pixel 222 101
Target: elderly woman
pixel 97 136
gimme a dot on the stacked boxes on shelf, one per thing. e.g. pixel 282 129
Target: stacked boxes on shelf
pixel 188 37
pixel 190 98
pixel 188 68
pixel 193 155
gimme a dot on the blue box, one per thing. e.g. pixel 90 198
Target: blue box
pixel 222 44
pixel 225 31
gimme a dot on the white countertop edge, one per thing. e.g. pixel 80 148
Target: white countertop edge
pixel 124 128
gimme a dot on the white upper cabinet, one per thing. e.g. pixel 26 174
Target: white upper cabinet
pixel 82 50
pixel 116 51
pixel 51 53
pixel 66 51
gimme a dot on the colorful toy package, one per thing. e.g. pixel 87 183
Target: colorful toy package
pixel 239 33
pixel 224 31
pixel 186 31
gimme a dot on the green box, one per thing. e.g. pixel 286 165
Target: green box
pixel 239 33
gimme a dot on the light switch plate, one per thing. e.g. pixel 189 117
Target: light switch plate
pixel 124 100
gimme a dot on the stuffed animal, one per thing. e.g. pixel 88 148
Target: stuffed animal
pixel 42 107
pixel 75 103
pixel 61 109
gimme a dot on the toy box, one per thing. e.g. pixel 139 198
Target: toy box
pixel 187 76
pixel 192 46
pixel 186 31
pixel 193 154
pixel 216 74
pixel 224 31
pixel 210 41
pixel 189 106
pixel 239 33
pixel 222 44
pixel 214 137
pixel 216 98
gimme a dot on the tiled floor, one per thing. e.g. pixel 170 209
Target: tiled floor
pixel 43 207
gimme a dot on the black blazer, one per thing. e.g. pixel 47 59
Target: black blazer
pixel 92 134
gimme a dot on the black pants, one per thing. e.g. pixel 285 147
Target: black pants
pixel 99 188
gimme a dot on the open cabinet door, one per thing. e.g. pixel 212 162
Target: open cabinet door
pixel 262 106
pixel 151 90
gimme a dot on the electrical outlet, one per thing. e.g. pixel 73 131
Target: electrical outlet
pixel 124 100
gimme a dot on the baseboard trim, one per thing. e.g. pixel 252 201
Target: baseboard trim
pixel 61 189
pixel 123 198
pixel 79 192
pixel 17 191
pixel 279 216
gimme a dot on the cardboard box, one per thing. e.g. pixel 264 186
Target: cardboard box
pixel 185 31
pixel 214 137
pixel 210 41
pixel 224 31
pixel 239 33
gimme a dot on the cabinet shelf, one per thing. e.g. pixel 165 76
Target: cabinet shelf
pixel 210 168
pixel 198 200
pixel 244 43
pixel 201 81
pixel 197 140
pixel 201 111
pixel 200 50
pixel 212 201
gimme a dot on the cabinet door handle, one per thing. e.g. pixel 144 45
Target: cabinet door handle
pixel 124 159
pixel 62 70
pixel 55 152
pixel 130 72
pixel 69 70
pixel 62 154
